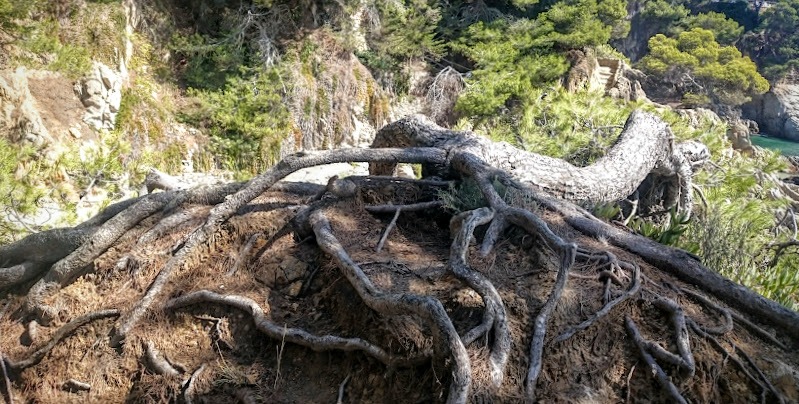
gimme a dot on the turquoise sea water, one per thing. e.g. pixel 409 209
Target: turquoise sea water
pixel 787 147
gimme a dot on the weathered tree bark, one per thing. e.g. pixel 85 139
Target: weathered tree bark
pixel 646 146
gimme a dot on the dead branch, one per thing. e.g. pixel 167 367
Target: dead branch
pixel 65 331
pixel 654 368
pixel 293 335
pixel 388 229
pixel 414 207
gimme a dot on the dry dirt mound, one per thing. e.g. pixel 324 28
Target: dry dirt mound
pixel 215 352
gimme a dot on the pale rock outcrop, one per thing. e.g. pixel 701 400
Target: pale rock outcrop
pixel 101 94
pixel 738 134
pixel 611 76
pixel 777 111
pixel 19 113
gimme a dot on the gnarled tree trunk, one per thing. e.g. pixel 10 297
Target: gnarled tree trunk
pixel 638 278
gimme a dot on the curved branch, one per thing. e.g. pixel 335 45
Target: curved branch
pixel 426 307
pixel 65 331
pixel 293 335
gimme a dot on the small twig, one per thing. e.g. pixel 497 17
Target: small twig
pixel 388 229
pixel 629 376
pixel 633 209
pixel 341 390
pixel 73 385
pixel 701 194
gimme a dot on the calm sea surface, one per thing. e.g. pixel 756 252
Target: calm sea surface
pixel 787 147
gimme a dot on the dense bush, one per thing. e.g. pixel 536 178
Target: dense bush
pixel 247 120
pixel 695 63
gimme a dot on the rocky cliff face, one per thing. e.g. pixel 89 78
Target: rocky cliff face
pixel 101 93
pixel 19 111
pixel 777 111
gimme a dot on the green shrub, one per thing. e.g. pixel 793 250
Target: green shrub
pixel 247 120
pixel 695 62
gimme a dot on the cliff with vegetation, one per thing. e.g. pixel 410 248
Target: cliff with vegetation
pixel 635 116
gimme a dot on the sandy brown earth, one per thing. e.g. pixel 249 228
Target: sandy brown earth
pixel 297 286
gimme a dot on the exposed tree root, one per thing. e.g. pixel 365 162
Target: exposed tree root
pixel 635 285
pixel 65 331
pixel 726 354
pixel 155 363
pixel 685 359
pixel 189 386
pixel 293 335
pixel 655 369
pixel 341 387
pixel 494 317
pixel 645 148
pixel 430 309
pixel 682 265
pixel 8 395
pixel 258 185
pixel 720 330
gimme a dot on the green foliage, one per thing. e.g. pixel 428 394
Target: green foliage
pixel 668 233
pixel 11 11
pixel 725 29
pixel 695 62
pixel 515 57
pixel 208 63
pixel 578 127
pixel 58 56
pixel 777 41
pixel 663 13
pixel 20 189
pixel 247 120
pixel 408 29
